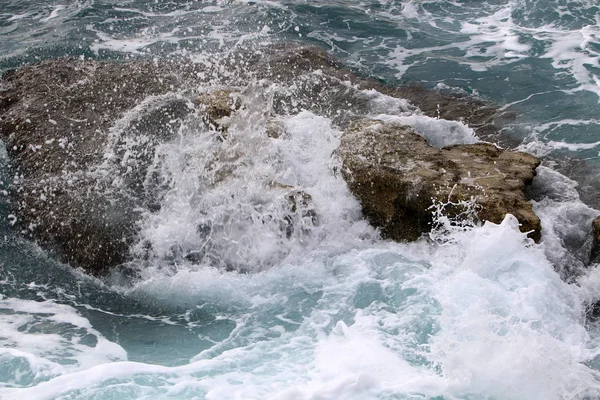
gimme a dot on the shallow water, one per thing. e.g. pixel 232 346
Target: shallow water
pixel 330 311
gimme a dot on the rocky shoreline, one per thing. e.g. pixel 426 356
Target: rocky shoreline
pixel 82 134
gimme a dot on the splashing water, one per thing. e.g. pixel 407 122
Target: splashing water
pixel 258 278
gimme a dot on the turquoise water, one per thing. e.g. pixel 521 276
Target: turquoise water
pixel 341 314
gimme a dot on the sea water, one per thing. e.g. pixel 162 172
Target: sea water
pixel 332 311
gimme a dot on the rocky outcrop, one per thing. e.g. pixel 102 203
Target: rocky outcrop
pixel 81 135
pixel 595 252
pixel 398 177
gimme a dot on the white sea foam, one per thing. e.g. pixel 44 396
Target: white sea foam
pixel 462 320
pixel 55 12
pixel 566 221
pixel 570 51
pixel 253 222
pixel 572 146
pixel 496 38
pixel 540 148
pixel 437 132
pixel 18 17
pixel 45 339
pixel 331 311
pixel 492 39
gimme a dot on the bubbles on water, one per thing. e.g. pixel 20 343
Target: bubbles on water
pixel 243 200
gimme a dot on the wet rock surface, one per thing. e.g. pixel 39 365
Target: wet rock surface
pixel 76 188
pixel 330 89
pixel 216 107
pixel 594 308
pixel 595 252
pixel 81 136
pixel 398 177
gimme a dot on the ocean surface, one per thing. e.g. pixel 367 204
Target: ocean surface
pixel 335 313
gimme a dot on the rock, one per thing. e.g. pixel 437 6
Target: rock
pixel 217 107
pixel 398 176
pixel 594 309
pixel 275 128
pixel 596 229
pixel 80 135
pixel 595 253
pixel 328 88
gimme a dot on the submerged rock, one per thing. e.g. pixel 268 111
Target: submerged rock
pixel 399 179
